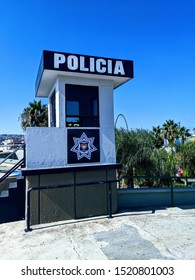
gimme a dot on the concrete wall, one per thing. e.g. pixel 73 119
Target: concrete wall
pixel 45 147
pixel 136 198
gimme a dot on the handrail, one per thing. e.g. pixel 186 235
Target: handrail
pixel 170 178
pixel 109 182
pixel 18 164
pixel 15 150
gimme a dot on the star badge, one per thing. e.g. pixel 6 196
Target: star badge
pixel 83 146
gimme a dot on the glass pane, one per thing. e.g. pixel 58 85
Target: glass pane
pixel 82 106
pixel 72 108
pixel 95 107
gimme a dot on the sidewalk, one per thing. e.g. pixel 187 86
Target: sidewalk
pixel 136 235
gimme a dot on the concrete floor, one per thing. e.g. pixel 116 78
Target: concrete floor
pixel 131 235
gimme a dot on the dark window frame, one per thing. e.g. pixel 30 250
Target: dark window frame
pixel 88 111
pixel 53 109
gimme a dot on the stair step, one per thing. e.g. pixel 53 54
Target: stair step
pixel 12 185
pixel 4 193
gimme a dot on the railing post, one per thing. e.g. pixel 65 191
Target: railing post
pixel 110 199
pixel 24 155
pixel 172 195
pixel 28 212
pixel 186 181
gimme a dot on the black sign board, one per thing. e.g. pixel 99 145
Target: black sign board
pixel 76 63
pixel 87 64
pixel 83 145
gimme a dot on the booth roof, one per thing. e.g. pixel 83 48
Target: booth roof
pixel 55 64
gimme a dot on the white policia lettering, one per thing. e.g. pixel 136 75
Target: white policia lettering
pixel 99 65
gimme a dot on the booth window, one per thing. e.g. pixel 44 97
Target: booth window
pixel 53 109
pixel 82 106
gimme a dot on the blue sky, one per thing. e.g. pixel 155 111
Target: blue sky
pixel 158 35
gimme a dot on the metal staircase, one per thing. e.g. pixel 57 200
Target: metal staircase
pixel 12 188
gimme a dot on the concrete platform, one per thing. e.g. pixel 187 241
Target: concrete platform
pixel 161 234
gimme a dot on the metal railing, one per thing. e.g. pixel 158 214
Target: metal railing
pixel 109 193
pixel 15 166
pixel 167 179
pixel 9 156
pixel 11 170
pixel 157 181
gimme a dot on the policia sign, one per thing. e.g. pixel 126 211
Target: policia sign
pixel 87 64
pixel 60 63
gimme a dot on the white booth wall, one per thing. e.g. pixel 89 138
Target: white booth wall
pixel 47 146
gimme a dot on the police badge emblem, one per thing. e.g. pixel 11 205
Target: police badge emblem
pixel 83 146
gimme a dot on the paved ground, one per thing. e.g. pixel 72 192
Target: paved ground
pixel 135 235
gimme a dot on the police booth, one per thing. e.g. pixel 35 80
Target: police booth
pixel 78 146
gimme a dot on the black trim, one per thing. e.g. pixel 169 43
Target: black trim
pixel 40 73
pixel 66 169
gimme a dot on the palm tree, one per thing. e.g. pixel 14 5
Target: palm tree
pixel 171 133
pixel 157 136
pixel 124 149
pixel 183 133
pixel 34 115
pixel 170 130
pixel 133 150
pixel 188 158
